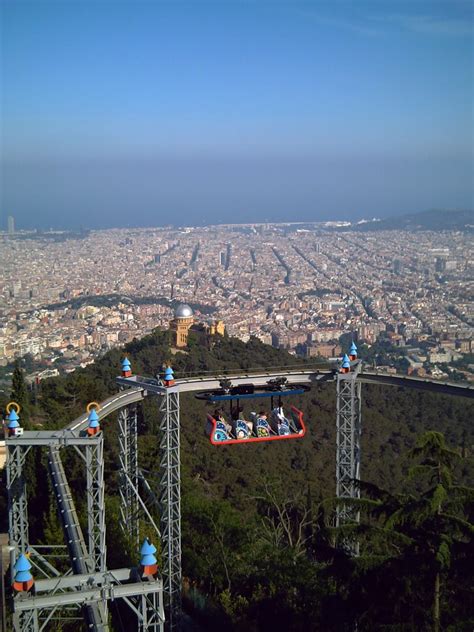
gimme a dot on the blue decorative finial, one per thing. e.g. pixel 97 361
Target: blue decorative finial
pixel 13 420
pixel 126 368
pixel 93 419
pixel 353 349
pixel 169 374
pixel 346 364
pixel 23 578
pixel 147 557
pixel 94 426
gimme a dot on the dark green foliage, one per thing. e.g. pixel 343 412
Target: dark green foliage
pixel 415 544
pixel 19 394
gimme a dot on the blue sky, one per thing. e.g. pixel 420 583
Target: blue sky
pixel 132 113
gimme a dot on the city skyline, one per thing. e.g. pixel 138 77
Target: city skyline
pixel 65 302
pixel 127 114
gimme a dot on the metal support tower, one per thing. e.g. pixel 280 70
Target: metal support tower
pixel 128 476
pixel 96 503
pixel 348 431
pixel 171 503
pixel 92 452
pixel 17 499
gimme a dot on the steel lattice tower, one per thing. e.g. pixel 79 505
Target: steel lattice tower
pixel 170 499
pixel 91 585
pixel 17 499
pixel 348 431
pixel 96 503
pixel 128 476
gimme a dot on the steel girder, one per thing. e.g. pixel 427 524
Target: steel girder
pixel 143 595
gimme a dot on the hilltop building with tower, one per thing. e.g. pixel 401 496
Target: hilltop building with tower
pixel 181 324
pixel 184 320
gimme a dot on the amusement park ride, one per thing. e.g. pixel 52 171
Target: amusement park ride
pixel 42 593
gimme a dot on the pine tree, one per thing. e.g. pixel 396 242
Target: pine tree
pixel 415 538
pixel 440 514
pixel 19 393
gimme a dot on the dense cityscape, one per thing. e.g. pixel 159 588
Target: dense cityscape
pixel 66 299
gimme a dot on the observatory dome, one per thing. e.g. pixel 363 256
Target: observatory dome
pixel 183 311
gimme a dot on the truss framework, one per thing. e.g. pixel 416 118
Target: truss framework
pixel 128 475
pixel 148 604
pixel 144 596
pixel 348 432
pixel 17 498
pixel 63 595
pixel 170 500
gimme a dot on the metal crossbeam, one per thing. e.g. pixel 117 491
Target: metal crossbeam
pixel 49 438
pixel 85 596
pixel 83 580
pixel 171 504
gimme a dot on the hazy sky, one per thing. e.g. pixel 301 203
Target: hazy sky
pixel 119 113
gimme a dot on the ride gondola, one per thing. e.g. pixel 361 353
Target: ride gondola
pixel 258 427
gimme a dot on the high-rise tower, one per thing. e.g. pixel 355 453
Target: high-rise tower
pixel 11 224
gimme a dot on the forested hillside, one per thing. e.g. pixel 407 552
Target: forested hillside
pixel 259 551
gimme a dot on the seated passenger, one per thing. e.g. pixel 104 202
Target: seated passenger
pixel 263 427
pixel 222 427
pixel 220 433
pixel 280 423
pixel 241 429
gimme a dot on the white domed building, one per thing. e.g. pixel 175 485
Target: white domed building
pixel 181 324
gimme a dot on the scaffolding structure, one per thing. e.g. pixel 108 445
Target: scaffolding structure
pixel 17 498
pixel 95 490
pixel 128 475
pixel 170 498
pixel 348 433
pixel 91 585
